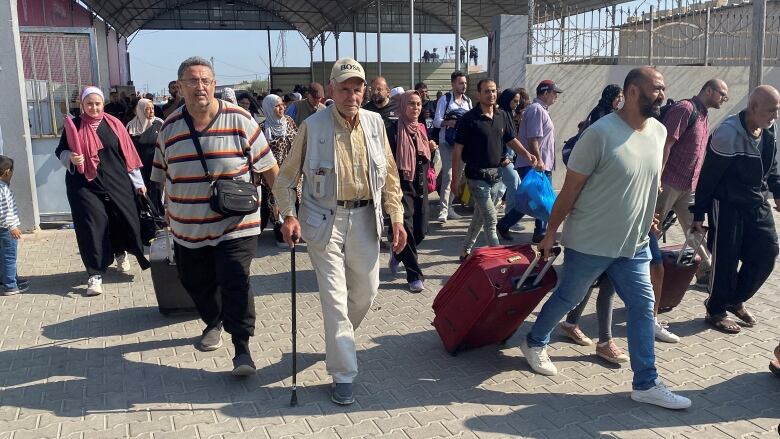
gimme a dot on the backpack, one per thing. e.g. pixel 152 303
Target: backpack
pixel 568 146
pixel 671 103
pixel 434 134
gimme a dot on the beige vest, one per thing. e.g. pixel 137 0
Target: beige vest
pixel 318 202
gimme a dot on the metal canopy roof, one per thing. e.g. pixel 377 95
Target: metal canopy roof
pixel 313 17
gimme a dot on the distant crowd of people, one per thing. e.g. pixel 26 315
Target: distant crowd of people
pixel 449 54
pixel 344 166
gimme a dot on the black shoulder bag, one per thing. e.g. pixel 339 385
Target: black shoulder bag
pixel 233 197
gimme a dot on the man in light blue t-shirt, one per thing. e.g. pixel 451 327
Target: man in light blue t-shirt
pixel 608 200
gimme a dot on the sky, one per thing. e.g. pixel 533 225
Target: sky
pixel 243 55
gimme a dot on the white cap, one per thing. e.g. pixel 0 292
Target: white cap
pixel 346 68
pixel 395 91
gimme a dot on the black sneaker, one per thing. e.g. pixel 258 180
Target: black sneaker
pixel 211 340
pixel 243 365
pixel 341 394
pixel 504 233
pixel 22 281
pixel 20 288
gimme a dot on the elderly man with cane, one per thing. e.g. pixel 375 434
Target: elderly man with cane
pixel 349 175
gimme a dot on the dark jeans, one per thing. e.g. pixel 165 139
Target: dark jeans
pixel 513 216
pixel 8 247
pixel 217 279
pixel 739 234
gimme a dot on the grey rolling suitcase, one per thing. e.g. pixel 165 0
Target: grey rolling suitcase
pixel 172 298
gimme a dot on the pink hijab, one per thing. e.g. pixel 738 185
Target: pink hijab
pixel 84 139
pixel 408 148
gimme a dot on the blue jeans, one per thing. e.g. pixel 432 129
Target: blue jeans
pixel 485 196
pixel 513 216
pixel 8 252
pixel 511 180
pixel 631 279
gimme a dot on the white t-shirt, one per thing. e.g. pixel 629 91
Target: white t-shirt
pixel 613 213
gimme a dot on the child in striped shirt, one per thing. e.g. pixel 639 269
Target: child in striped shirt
pixel 9 233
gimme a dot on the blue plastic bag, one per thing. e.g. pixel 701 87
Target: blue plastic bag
pixel 535 196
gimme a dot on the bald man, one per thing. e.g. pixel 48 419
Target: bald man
pixel 606 230
pixel 739 170
pixel 380 101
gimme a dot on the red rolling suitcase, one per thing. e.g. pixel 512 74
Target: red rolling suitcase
pixel 490 295
pixel 680 265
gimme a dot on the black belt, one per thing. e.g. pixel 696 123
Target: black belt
pixel 353 204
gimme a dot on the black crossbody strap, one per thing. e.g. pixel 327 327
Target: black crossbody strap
pixel 196 141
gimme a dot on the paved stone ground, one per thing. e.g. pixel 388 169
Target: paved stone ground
pixel 112 366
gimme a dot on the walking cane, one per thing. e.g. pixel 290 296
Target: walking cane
pixel 294 397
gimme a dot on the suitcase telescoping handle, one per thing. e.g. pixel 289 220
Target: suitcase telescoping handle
pixel 690 236
pixel 522 284
pixel 556 251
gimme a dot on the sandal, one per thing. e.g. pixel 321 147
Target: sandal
pixel 744 315
pixel 723 324
pixel 774 367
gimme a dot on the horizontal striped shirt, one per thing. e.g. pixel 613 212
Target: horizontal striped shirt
pixel 225 141
pixel 9 216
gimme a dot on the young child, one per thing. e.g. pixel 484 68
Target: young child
pixel 9 233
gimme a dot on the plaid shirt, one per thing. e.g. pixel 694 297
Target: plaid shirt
pixel 686 155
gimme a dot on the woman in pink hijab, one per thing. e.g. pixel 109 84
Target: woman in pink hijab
pixel 412 151
pixel 103 178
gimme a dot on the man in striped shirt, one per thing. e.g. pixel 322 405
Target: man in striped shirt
pixel 213 252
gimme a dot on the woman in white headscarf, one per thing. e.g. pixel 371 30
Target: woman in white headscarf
pixel 280 131
pixel 102 179
pixel 228 94
pixel 143 129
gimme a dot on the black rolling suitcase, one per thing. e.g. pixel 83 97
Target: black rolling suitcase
pixel 172 298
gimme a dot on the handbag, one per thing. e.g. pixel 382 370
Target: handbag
pixel 431 177
pixel 230 197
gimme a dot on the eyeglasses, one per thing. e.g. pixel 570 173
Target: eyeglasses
pixel 192 83
pixel 723 96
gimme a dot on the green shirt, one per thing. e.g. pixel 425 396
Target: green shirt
pixel 614 211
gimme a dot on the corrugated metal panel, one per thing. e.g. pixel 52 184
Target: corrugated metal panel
pixel 312 17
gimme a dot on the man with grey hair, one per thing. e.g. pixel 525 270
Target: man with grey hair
pixel 213 250
pixel 738 174
pixel 349 174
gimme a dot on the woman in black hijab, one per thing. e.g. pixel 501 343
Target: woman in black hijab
pixel 611 98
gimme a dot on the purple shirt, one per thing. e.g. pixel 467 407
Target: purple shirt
pixel 686 155
pixel 537 123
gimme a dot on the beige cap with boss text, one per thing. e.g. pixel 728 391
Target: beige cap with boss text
pixel 346 68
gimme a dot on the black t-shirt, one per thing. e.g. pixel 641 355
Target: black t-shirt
pixel 389 112
pixel 483 138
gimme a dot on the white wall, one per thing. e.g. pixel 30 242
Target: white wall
pixel 582 85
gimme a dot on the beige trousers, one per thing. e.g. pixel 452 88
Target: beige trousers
pixel 672 199
pixel 347 270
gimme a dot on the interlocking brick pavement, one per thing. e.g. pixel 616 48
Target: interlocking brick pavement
pixel 112 366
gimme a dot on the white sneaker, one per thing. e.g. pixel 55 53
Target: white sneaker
pixel 122 264
pixel 663 334
pixel 442 216
pixel 452 215
pixel 661 396
pixel 95 285
pixel 538 359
